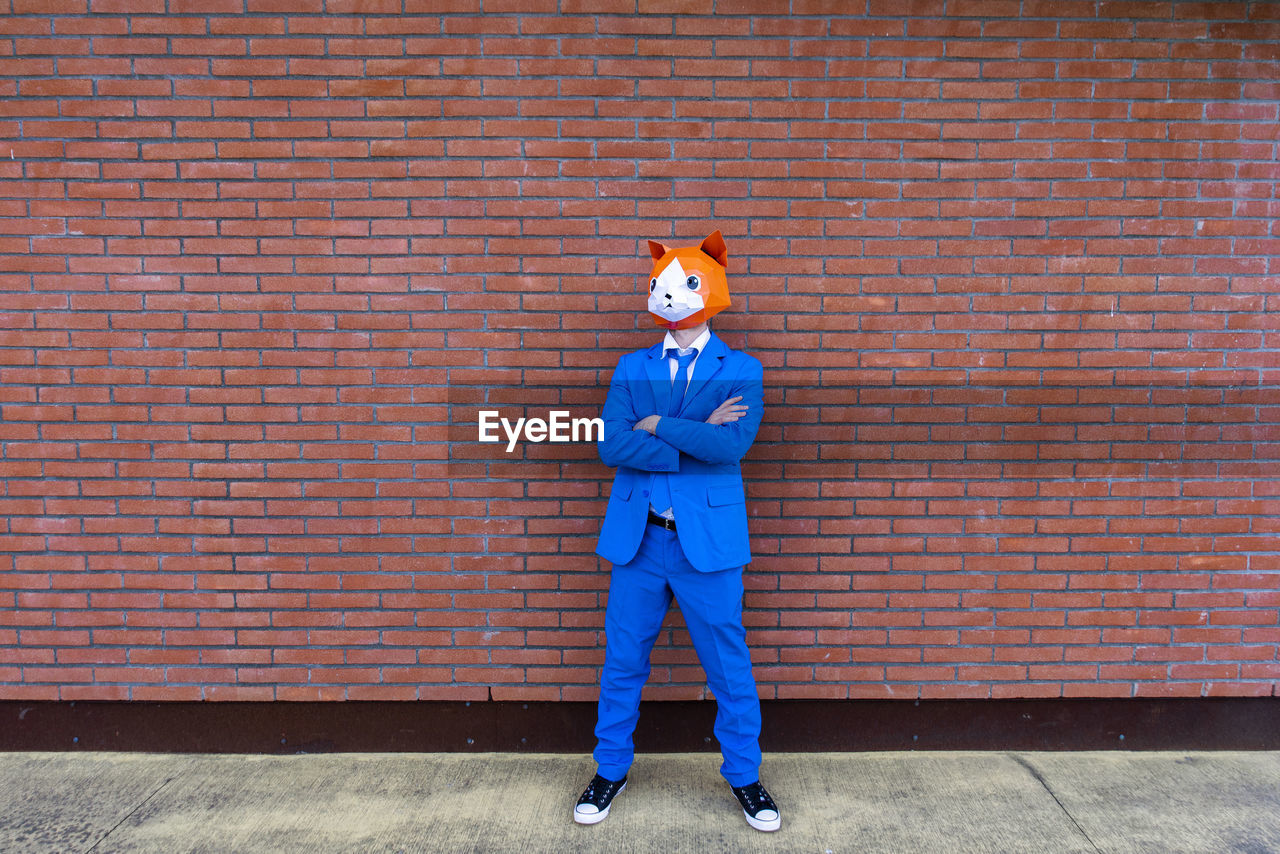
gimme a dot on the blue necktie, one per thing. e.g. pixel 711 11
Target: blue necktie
pixel 660 487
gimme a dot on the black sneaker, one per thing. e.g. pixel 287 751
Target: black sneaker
pixel 757 806
pixel 593 806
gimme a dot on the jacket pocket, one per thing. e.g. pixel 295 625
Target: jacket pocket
pixel 622 491
pixel 728 493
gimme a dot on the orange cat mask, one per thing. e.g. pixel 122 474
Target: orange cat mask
pixel 688 284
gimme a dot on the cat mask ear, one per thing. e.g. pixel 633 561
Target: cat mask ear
pixel 714 246
pixel 657 250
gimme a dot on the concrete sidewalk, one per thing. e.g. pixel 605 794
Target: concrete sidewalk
pixel 1036 802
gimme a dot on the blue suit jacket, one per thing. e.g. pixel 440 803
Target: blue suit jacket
pixel 707 496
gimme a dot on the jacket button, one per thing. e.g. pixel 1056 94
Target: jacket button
pixel 644 492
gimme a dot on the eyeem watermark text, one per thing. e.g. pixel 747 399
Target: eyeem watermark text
pixel 558 427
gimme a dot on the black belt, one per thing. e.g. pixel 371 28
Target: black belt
pixel 662 521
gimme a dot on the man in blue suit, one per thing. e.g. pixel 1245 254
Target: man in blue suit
pixel 678 418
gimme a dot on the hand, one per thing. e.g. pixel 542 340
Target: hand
pixel 649 422
pixel 728 411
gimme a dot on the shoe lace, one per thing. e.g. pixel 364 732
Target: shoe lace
pixel 606 787
pixel 756 795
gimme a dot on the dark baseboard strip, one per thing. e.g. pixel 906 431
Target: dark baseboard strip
pixel 1236 723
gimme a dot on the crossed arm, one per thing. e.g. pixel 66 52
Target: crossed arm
pixel 654 443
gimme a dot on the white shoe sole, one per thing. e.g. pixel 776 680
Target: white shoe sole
pixel 595 817
pixel 763 824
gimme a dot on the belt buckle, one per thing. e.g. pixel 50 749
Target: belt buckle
pixel 669 524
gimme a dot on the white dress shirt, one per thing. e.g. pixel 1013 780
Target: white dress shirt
pixel 669 343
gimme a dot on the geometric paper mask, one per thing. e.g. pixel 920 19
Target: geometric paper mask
pixel 687 284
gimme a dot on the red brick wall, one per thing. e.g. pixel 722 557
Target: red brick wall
pixel 1011 268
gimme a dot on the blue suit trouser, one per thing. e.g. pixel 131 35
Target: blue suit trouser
pixel 640 593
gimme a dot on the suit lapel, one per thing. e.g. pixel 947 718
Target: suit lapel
pixel 658 373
